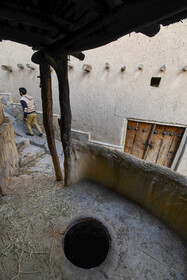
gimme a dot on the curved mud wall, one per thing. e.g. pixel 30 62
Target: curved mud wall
pixel 9 158
pixel 156 188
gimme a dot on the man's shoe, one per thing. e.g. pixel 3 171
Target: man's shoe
pixel 29 134
pixel 41 134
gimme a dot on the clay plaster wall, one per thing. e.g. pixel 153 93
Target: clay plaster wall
pixel 156 188
pixel 9 158
pixel 103 100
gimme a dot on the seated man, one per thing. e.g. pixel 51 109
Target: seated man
pixel 30 116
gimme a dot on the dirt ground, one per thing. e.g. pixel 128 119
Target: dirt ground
pixel 37 210
pixel 27 234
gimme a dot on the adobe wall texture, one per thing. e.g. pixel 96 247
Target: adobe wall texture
pixel 9 159
pixel 103 100
pixel 156 188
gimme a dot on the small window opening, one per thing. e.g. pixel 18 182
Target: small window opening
pixel 155 81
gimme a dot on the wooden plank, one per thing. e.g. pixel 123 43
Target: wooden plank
pixel 141 139
pixel 155 141
pixel 168 141
pixel 164 145
pixel 149 144
pixel 158 144
pixel 176 134
pixel 130 135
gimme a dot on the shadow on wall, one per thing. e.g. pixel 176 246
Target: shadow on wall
pixel 160 190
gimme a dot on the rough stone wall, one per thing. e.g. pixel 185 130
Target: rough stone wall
pixel 158 189
pixel 9 158
pixel 1 114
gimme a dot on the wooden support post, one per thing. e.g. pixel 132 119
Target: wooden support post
pixel 47 105
pixel 60 66
pixel 65 121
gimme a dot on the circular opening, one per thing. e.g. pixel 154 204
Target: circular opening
pixel 86 243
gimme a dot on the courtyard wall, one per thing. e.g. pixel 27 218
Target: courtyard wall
pixel 103 100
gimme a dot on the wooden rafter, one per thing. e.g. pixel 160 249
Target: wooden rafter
pixel 131 16
pixel 63 27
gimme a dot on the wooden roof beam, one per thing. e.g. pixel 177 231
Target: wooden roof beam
pixel 78 55
pixel 40 56
pixel 23 36
pixel 32 20
pixel 129 17
pixel 32 17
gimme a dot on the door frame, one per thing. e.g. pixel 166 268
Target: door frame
pixel 178 156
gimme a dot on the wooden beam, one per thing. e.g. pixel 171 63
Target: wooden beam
pixel 36 17
pixel 47 106
pixel 60 66
pixel 78 55
pixel 23 36
pixel 25 18
pixel 129 17
pixel 65 120
pixel 39 57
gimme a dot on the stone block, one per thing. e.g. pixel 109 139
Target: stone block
pixel 21 141
pixel 9 158
pixel 1 114
pixel 30 153
pixel 6 98
pixel 3 185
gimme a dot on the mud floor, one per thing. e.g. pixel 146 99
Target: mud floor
pixel 37 210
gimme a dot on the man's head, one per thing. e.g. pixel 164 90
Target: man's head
pixel 22 91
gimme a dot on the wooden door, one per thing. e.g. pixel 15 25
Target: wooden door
pixel 153 142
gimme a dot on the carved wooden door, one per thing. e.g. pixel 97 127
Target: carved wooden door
pixel 153 142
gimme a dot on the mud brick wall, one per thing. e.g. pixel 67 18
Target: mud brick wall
pixel 9 158
pixel 158 189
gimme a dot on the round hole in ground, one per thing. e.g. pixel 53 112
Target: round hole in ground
pixel 86 243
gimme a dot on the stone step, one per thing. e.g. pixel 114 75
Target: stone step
pixel 6 98
pixel 30 153
pixel 20 130
pixel 21 141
